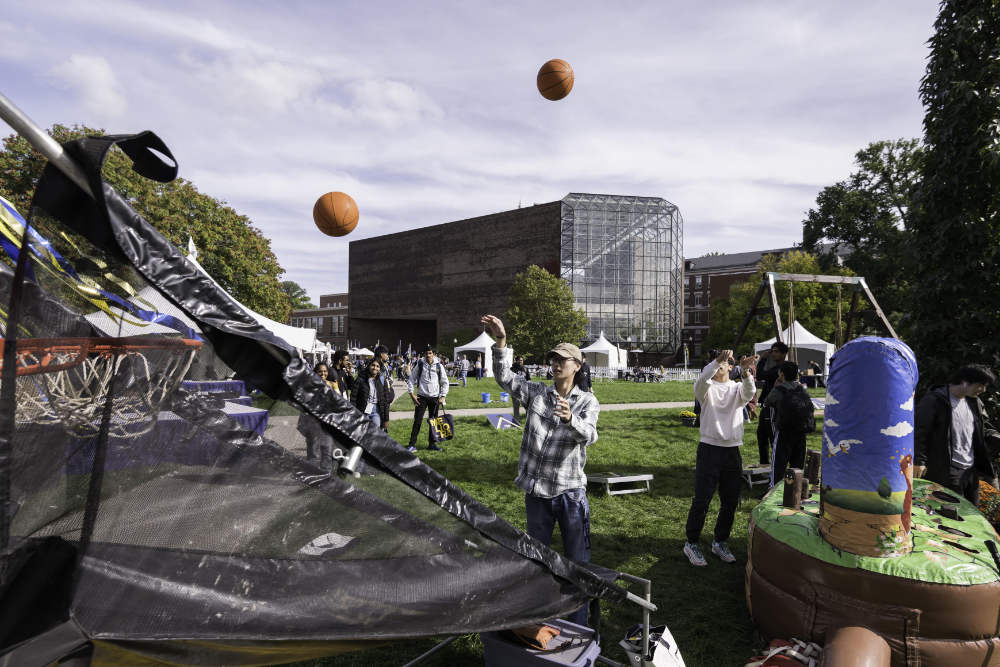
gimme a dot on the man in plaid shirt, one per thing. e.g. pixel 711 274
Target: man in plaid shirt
pixel 561 423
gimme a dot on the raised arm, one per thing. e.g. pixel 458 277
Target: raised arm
pixel 518 387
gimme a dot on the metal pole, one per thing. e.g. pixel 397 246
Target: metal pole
pixel 42 143
pixel 421 658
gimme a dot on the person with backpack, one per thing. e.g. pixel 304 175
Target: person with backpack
pixel 791 419
pixel 428 385
pixel 718 464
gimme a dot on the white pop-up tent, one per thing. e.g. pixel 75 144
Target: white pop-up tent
pixel 483 344
pixel 803 347
pixel 604 354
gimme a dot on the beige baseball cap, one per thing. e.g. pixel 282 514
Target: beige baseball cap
pixel 567 351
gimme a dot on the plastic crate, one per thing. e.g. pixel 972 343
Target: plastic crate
pixel 575 646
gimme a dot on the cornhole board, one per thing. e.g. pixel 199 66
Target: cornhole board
pixel 633 483
pixel 754 475
pixel 501 421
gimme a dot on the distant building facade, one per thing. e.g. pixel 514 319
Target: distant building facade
pixel 331 320
pixel 708 278
pixel 621 255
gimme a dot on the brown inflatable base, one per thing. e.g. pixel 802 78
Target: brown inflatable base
pixel 791 594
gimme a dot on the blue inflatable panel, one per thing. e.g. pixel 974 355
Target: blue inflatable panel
pixel 868 423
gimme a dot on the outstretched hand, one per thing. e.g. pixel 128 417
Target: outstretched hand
pixel 494 327
pixel 749 362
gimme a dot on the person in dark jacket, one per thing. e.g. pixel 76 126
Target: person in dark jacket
pixel 767 375
pixel 341 373
pixel 952 437
pixel 371 395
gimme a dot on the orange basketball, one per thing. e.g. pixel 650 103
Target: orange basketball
pixel 335 214
pixel 555 79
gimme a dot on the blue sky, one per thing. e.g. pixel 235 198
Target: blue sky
pixel 737 112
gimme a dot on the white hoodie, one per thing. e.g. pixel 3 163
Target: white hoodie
pixel 722 407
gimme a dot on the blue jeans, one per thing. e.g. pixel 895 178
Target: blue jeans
pixel 463 375
pixel 571 510
pixel 375 417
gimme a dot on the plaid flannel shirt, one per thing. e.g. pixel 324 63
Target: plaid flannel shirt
pixel 552 453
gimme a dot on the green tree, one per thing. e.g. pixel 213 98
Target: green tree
pixel 297 297
pixel 868 215
pixel 956 227
pixel 541 313
pixel 815 303
pixel 231 249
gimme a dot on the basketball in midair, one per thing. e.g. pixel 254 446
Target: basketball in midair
pixel 555 79
pixel 335 213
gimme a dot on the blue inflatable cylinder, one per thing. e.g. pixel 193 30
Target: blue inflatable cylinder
pixel 867 474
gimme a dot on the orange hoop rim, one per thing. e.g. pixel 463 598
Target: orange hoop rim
pixel 45 349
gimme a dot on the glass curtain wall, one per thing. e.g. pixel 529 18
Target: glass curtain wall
pixel 623 256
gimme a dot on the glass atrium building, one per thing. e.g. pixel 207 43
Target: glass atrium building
pixel 623 256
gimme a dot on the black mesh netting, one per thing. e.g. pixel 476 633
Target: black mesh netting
pixel 158 519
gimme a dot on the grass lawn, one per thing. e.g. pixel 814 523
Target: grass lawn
pixel 641 534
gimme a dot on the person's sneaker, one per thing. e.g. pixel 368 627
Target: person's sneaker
pixel 411 449
pixel 693 552
pixel 435 448
pixel 721 549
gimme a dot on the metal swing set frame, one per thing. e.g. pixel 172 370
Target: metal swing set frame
pixel 767 284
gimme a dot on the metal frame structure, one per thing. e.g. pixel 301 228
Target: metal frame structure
pixel 768 284
pixel 623 258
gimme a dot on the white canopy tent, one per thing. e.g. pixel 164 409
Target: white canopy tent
pixel 360 352
pixel 803 347
pixel 483 344
pixel 298 337
pixel 604 354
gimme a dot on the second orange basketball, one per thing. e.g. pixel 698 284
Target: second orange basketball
pixel 555 79
pixel 335 213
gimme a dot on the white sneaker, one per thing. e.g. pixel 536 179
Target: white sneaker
pixel 693 552
pixel 721 549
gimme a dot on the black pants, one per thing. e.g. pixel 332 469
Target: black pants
pixel 716 467
pixel 431 406
pixel 966 482
pixel 789 452
pixel 764 435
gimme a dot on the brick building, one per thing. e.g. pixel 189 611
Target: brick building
pixel 330 320
pixel 621 255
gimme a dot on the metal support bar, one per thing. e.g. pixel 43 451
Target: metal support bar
pixel 421 658
pixel 43 143
pixel 816 278
pixel 775 308
pixel 878 309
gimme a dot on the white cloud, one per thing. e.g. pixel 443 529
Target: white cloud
pixel 899 430
pixel 95 83
pixel 908 405
pixel 830 423
pixel 830 400
pixel 739 113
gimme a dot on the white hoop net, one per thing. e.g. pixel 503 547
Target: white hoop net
pixel 76 396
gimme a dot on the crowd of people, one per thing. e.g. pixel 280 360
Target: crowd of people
pixel 954 442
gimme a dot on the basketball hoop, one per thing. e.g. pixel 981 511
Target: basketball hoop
pixel 66 381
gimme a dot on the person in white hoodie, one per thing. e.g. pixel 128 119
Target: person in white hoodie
pixel 719 464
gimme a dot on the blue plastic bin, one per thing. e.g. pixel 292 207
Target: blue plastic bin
pixel 504 397
pixel 486 397
pixel 575 646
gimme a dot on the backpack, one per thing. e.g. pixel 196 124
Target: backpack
pixel 795 412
